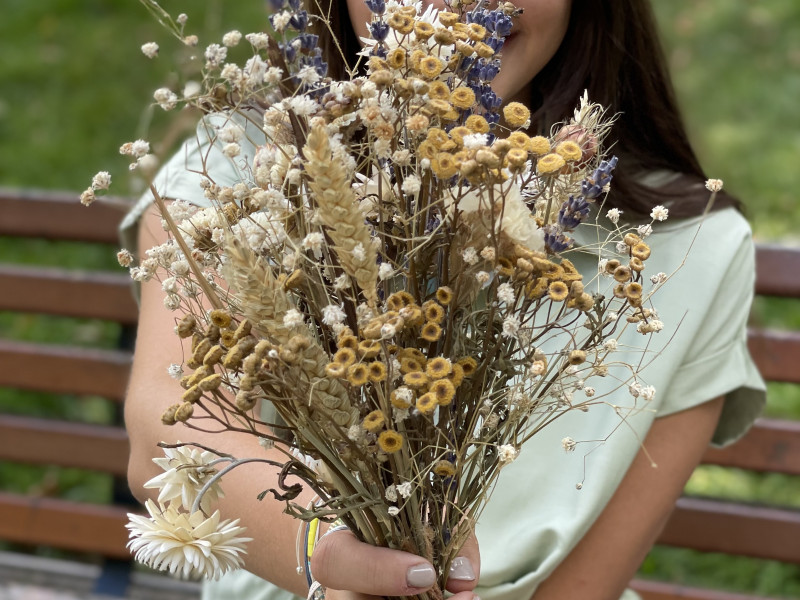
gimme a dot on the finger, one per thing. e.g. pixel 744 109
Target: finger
pixel 465 570
pixel 341 562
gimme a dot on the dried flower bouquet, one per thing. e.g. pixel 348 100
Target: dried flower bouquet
pixel 390 275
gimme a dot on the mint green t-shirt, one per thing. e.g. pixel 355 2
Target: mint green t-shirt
pixel 537 514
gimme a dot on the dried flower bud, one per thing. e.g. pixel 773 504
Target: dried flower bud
pixel 246 400
pixel 193 394
pixel 186 326
pixel 631 239
pixel 577 357
pixel 210 383
pixel 622 273
pixel 214 355
pixel 200 350
pixel 220 318
pixel 233 359
pixel 184 412
pixel 168 416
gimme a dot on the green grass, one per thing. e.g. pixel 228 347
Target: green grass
pixel 75 87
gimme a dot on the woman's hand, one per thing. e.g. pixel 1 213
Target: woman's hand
pixel 341 562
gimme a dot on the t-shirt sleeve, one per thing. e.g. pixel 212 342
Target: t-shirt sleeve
pixel 718 362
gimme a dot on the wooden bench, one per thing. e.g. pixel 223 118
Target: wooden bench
pixel 773 446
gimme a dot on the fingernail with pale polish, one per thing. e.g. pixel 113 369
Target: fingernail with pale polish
pixel 421 576
pixel 461 570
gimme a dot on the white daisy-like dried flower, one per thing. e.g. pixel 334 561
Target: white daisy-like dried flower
pixel 658 278
pixel 644 230
pixel 411 185
pixel 482 277
pixel 124 258
pixel 175 371
pixel 635 389
pixel 589 391
pixel 308 75
pixel 182 18
pixel 470 256
pixel 714 185
pixel 166 98
pixel 186 471
pixel 215 55
pixel 475 140
pixel 659 213
pixel 313 241
pixel 391 493
pixel 507 454
pixel 170 285
pixel 150 49
pixel 258 40
pixel 385 271
pixel 191 40
pixel 405 489
pixel 402 158
pixel 393 511
pixel 341 282
pixel 613 215
pixel 172 302
pixel 186 544
pixel 648 393
pixel 510 326
pixel 231 150
pixel 610 344
pixel 232 38
pixel 568 444
pixel 333 314
pixel 281 20
pixel 601 266
pixel 505 293
pixel 101 181
pixel 538 368
pixel 293 318
pixel 622 247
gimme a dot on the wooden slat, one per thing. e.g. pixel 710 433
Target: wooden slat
pixel 49 442
pixel 59 216
pixel 64 524
pixel 68 293
pixel 64 369
pixel 776 354
pixel 731 528
pixel 656 590
pixel 771 445
pixel 778 271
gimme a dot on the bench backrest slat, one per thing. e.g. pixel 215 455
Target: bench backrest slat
pixel 64 369
pixel 48 442
pixel 771 445
pixel 777 271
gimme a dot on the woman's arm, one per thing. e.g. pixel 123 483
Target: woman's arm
pixel 271 554
pixel 607 557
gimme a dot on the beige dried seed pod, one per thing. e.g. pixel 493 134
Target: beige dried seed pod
pixel 214 355
pixel 193 394
pixel 186 327
pixel 168 416
pixel 246 400
pixel 243 329
pixel 184 412
pixel 210 383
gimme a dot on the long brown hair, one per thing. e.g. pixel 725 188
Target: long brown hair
pixel 612 49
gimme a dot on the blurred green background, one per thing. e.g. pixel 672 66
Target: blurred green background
pixel 74 86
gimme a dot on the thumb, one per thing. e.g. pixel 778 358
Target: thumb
pixel 341 562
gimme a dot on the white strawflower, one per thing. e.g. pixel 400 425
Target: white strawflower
pixel 293 318
pixel 232 38
pixel 470 256
pixel 186 471
pixel 186 544
pixel 215 55
pixel 281 20
pixel 101 181
pixel 231 150
pixel 411 185
pixel 475 140
pixel 714 185
pixel 150 49
pixel 385 271
pixel 404 489
pixel 589 391
pixel 610 344
pixel 659 213
pixel 124 258
pixel 166 98
pixel 648 393
pixel 341 282
pixel 622 247
pixel 568 444
pixel 482 277
pixel 393 511
pixel 333 315
pixel 313 241
pixel 507 454
pixel 613 215
pixel 359 253
pixel 658 278
pixel 391 493
pixel 308 75
pixel 172 301
pixel 488 253
pixel 182 18
pixel 170 285
pixel 175 371
pixel 402 158
pixel 505 293
pixel 259 40
pixel 644 230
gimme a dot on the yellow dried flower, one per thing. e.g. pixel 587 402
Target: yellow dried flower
pixel 374 421
pixel 210 383
pixel 440 107
pixel 369 349
pixel 377 371
pixel 426 150
pixel 348 341
pixel 401 23
pixel 584 302
pixel 433 311
pixel 622 273
pixel 376 63
pixel 413 316
pixel 505 267
pixel 430 67
pixel 517 157
pixel 396 58
pixel 220 318
pixel 569 150
pixel 636 264
pixel 633 290
pixel 536 289
pixel 345 357
pixel 468 364
pixel 382 78
pixel 516 114
pixel 186 327
pixel 430 332
pixel 641 251
pixel 477 124
pixel 558 291
pixel 214 355
pixel 464 49
pixel 398 400
pixel 550 163
pixel 410 365
pixel 193 394
pixel 631 239
pixel 184 412
pixel 168 416
pixel 457 134
pixel 444 37
pixel 438 367
pixel 417 123
pixel 357 374
pixel 539 145
pixel 415 379
pixel 423 30
pixel 576 357
pixel 519 139
pixel 444 295
pixel 444 468
pixel 426 403
pixel 476 32
pixel 390 441
pixel 439 91
pixel 443 390
pixel 448 19
pixel 457 375
pixel 444 165
pixel 484 50
pixel 437 136
pixel 462 97
pixel 335 370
